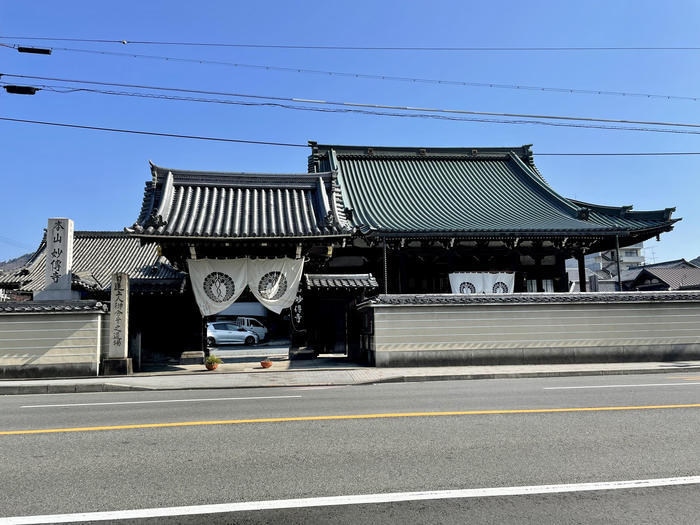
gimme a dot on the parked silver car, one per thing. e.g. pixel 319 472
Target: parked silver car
pixel 224 332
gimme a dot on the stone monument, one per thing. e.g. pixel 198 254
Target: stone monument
pixel 59 262
pixel 118 361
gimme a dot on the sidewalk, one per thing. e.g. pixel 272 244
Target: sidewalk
pixel 319 372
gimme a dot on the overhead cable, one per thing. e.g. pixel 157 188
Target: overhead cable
pixel 391 78
pixel 155 133
pixel 357 48
pixel 65 89
pixel 288 144
pixel 366 105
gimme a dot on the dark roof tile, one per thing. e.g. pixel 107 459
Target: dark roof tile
pixel 96 256
pixel 181 203
pixel 345 281
pixel 444 191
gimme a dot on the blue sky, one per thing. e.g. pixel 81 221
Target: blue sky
pixel 97 178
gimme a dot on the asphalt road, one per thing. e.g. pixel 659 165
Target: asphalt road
pixel 311 452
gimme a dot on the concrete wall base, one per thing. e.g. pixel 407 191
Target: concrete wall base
pixel 117 367
pixel 54 370
pixel 526 356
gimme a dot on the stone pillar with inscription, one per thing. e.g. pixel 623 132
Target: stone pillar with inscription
pixel 118 361
pixel 59 262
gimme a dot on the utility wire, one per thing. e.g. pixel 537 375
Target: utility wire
pixel 365 105
pixel 628 154
pixel 155 133
pixel 270 143
pixel 64 89
pixel 359 48
pixel 390 78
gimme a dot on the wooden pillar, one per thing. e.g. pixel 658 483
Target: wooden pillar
pixel 561 282
pixel 581 272
pixel 617 261
pixel 386 268
pixel 403 273
pixel 538 265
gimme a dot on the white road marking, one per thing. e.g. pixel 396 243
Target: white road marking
pixel 618 386
pixel 159 401
pixel 327 387
pixel 358 499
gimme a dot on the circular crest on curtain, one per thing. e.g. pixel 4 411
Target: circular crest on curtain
pixel 219 287
pixel 272 285
pixel 500 287
pixel 467 287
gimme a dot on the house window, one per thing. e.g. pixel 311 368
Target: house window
pixel 531 285
pixel 630 253
pixel 548 285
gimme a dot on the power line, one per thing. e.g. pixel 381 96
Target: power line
pixel 64 89
pixel 370 106
pixel 359 48
pixel 390 78
pixel 155 133
pixel 628 154
pixel 271 143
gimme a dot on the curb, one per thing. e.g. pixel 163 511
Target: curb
pixel 69 388
pixel 525 375
pixel 117 387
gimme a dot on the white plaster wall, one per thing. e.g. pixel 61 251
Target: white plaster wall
pixel 45 343
pixel 516 333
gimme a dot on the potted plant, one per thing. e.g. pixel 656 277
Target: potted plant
pixel 266 363
pixel 212 361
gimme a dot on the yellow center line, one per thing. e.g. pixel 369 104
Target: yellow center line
pixel 342 417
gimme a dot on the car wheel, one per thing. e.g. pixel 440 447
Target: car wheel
pixel 211 341
pixel 250 340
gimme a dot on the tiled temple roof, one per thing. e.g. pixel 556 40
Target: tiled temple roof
pixel 96 256
pixel 464 191
pixel 186 204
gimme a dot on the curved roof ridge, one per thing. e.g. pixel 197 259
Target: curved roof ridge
pixel 628 211
pixel 186 203
pixel 536 178
pixel 422 150
pixel 161 171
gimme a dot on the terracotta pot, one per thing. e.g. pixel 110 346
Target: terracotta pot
pixel 266 364
pixel 211 366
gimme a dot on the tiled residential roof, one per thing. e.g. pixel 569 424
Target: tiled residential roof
pixel 181 203
pixel 633 271
pixel 96 256
pixel 450 191
pixel 676 263
pixel 344 281
pixel 52 306
pixel 675 277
